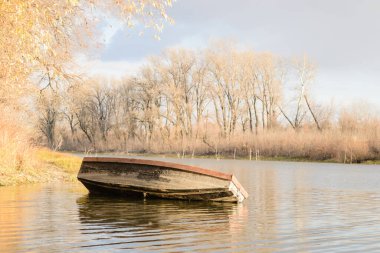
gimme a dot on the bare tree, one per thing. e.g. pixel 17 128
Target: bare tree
pixel 48 112
pixel 302 71
pixel 226 90
pixel 149 98
pixel 176 72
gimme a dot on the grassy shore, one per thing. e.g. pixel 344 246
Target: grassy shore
pixel 42 166
pixel 66 162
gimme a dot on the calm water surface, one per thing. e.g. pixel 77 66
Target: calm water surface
pixel 293 207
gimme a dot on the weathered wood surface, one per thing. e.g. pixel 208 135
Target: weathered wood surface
pixel 147 178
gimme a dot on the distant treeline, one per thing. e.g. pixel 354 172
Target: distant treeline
pixel 218 101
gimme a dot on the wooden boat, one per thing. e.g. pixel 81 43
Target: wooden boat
pixel 157 179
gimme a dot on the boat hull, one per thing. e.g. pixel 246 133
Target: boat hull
pixel 153 179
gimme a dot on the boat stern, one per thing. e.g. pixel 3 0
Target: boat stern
pixel 237 189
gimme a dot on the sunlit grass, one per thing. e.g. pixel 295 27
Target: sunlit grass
pixel 66 162
pixel 36 165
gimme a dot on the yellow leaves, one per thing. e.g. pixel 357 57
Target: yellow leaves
pixel 130 23
pixel 37 33
pixel 159 27
pixel 73 2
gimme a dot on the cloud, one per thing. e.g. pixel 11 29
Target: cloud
pixel 341 36
pixel 333 32
pixel 110 69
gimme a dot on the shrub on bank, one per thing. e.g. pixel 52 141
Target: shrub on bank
pixel 21 162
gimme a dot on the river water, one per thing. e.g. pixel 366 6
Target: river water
pixel 292 207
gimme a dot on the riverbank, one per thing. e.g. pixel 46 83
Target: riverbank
pixel 43 166
pixel 282 145
pixel 221 156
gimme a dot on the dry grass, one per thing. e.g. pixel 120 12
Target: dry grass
pixel 282 144
pixel 68 163
pixel 39 165
pixel 356 145
pixel 16 160
pixel 21 163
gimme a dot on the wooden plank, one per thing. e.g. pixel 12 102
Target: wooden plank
pixel 239 186
pixel 176 166
pixel 170 180
pixel 218 194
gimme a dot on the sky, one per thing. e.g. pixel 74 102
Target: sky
pixel 341 36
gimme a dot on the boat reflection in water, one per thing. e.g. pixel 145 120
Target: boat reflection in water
pixel 160 224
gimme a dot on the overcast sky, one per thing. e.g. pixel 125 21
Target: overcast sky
pixel 341 36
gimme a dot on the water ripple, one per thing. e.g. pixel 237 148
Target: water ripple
pixel 289 210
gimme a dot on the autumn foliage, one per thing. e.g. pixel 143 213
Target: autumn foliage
pixel 39 41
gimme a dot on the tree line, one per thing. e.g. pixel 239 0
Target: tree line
pixel 186 100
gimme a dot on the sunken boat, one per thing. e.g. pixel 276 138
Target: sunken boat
pixel 158 179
